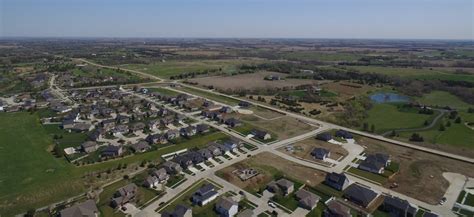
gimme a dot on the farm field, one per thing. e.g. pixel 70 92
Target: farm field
pixel 423 74
pixel 279 168
pixel 251 81
pixel 175 67
pixel 386 117
pixel 420 173
pixel 321 56
pixel 38 178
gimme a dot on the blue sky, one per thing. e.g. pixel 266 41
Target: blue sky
pixel 405 19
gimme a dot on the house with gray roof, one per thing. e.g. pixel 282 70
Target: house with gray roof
pixel 398 207
pixel 204 195
pixel 360 195
pixel 306 199
pixel 179 211
pixel 226 207
pixel 87 208
pixel 89 146
pixel 282 185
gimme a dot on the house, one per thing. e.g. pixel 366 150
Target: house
pixel 224 149
pixel 153 124
pixel 156 139
pixel 122 119
pixel 232 144
pixel 375 163
pixel 124 195
pixel 179 211
pixel 81 127
pixel 108 124
pixel 282 185
pixel 225 109
pixel 244 104
pixel 226 207
pixel 183 160
pixel 87 208
pixel 137 127
pixel 112 151
pixel 140 146
pixel 214 149
pixel 260 134
pixel 202 128
pixel 161 174
pixel 232 122
pixel 344 134
pixel 172 134
pixel 307 199
pixel 398 207
pixel 120 130
pixel 188 131
pixel 360 195
pixel 195 157
pixel 204 195
pixel 151 182
pixel 338 181
pixel 96 134
pixel 336 209
pixel 320 153
pixel 89 146
pixel 171 167
pixel 67 124
pixel 324 137
pixel 205 153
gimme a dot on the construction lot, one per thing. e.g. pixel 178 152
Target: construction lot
pixel 278 167
pixel 420 173
pixel 302 149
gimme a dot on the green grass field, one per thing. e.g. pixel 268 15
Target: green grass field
pixel 387 116
pixel 175 67
pixel 423 74
pixel 315 55
pixel 442 98
pixel 31 177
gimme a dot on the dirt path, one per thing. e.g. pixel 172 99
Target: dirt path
pixel 431 125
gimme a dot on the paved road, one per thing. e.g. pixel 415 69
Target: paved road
pixel 443 210
pixel 334 126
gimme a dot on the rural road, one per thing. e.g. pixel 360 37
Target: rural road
pixel 143 74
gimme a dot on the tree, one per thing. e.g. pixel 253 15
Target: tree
pixel 426 123
pixel 392 134
pixel 415 137
pixel 372 128
pixel 448 124
pixel 30 213
pixel 458 120
pixel 366 126
pixel 442 127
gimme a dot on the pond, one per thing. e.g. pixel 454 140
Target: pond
pixel 388 97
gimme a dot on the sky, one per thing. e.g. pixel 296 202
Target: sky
pixel 382 19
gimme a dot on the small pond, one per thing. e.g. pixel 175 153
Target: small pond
pixel 388 97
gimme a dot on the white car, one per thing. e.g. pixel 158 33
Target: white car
pixel 271 204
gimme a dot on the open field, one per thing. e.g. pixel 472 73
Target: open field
pixel 346 90
pixel 321 56
pixel 456 138
pixel 251 81
pixel 37 178
pixel 420 173
pixel 176 67
pixel 388 116
pixel 423 74
pixel 211 96
pixel 268 172
pixel 442 98
pixel 302 149
pixel 283 127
